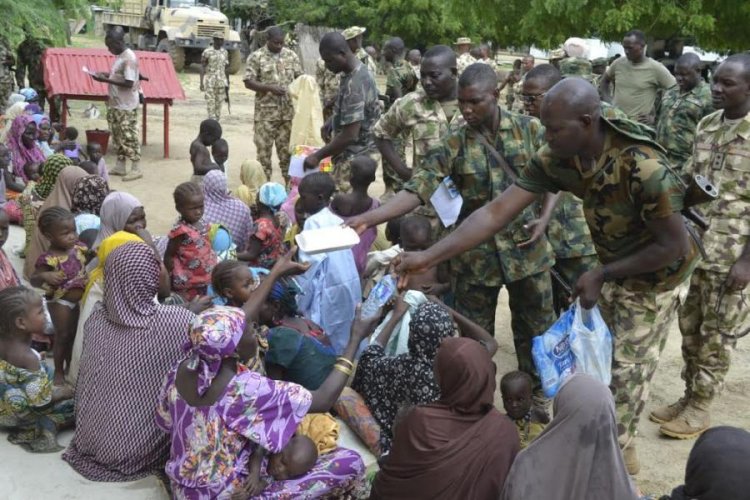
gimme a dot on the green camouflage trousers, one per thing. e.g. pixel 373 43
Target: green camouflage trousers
pixel 531 313
pixel 268 133
pixel 214 100
pixel 342 171
pixel 570 270
pixel 123 126
pixel 639 323
pixel 710 320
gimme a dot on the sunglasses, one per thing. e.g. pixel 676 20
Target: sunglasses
pixel 532 97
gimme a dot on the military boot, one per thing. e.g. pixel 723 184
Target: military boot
pixel 134 173
pixel 120 168
pixel 630 456
pixel 689 424
pixel 667 413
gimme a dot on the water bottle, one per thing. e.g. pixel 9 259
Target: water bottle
pixel 380 294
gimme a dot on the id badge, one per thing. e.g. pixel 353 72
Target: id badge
pixel 451 187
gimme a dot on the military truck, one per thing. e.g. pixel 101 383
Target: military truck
pixel 181 28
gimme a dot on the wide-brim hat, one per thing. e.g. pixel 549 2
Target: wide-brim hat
pixel 464 40
pixel 352 32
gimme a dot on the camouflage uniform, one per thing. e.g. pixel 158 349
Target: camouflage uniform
pixel 400 77
pixel 7 80
pixel 357 101
pixel 678 115
pixel 479 273
pixel 712 317
pixel 328 83
pixel 517 92
pixel 368 61
pixel 579 67
pixel 273 113
pixel 464 61
pixel 631 183
pixel 215 81
pixel 29 61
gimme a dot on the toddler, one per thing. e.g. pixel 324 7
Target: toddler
pixel 220 154
pixel 37 410
pixel 68 145
pixel 516 389
pixel 89 166
pixel 95 154
pixel 357 202
pixel 189 257
pixel 61 273
pixel 331 288
pixel 416 236
pixel 296 459
pixel 265 246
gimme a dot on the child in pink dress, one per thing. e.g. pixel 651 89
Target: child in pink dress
pixel 189 257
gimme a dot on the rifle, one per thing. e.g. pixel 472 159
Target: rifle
pixel 226 98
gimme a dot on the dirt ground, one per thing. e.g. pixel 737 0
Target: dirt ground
pixel 663 460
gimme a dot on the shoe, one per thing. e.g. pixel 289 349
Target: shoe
pixel 134 174
pixel 630 456
pixel 689 424
pixel 668 413
pixel 119 168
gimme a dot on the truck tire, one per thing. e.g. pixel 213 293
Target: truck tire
pixel 176 53
pixel 235 61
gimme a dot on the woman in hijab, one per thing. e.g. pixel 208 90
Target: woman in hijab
pixel 219 207
pixel 117 209
pixel 717 467
pixel 116 437
pixel 577 455
pixel 461 446
pixel 14 109
pixel 61 196
pixel 88 195
pixel 252 178
pixel 23 146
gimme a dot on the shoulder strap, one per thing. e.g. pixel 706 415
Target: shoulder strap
pixel 497 156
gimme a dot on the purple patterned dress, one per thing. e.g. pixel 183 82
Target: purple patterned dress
pixel 211 445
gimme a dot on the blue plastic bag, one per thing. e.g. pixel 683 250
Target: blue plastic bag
pixel 553 355
pixel 591 342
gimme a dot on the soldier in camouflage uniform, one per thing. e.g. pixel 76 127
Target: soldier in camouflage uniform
pixel 355 112
pixel 507 259
pixel 681 108
pixel 464 59
pixel 328 83
pixel 269 72
pixel 632 201
pixel 424 115
pixel 354 36
pixel 215 61
pixel 715 313
pixel 7 81
pixel 29 63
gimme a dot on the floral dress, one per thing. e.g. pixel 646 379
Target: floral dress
pixel 194 260
pixel 26 408
pixel 271 239
pixel 211 445
pixel 72 265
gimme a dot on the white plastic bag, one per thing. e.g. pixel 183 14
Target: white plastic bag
pixel 552 354
pixel 591 342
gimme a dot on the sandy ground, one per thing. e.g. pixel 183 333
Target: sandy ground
pixel 26 476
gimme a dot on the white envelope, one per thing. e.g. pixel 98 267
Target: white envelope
pixel 327 239
pixel 297 167
pixel 447 207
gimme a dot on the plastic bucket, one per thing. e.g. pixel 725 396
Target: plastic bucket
pixel 100 137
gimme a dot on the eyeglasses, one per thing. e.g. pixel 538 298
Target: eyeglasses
pixel 532 97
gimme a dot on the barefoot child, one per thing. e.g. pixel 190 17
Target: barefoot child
pixel 189 257
pixel 266 244
pixel 94 152
pixel 209 132
pixel 416 235
pixel 331 287
pixel 357 202
pixel 61 273
pixel 34 411
pixel 516 390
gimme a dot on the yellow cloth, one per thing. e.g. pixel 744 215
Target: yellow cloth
pixel 323 429
pixel 528 431
pixel 308 113
pixel 108 246
pixel 252 177
pixel 290 235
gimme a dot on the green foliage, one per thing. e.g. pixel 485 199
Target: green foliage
pixel 41 18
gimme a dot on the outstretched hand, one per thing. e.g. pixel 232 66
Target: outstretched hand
pixel 362 328
pixel 358 223
pixel 409 262
pixel 286 266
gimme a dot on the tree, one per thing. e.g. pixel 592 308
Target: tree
pixel 45 19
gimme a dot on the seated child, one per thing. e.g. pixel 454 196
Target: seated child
pixel 220 154
pixel 61 273
pixel 296 459
pixel 94 152
pixel 266 243
pixel 331 288
pixel 296 228
pixel 68 145
pixel 36 411
pixel 416 235
pixel 189 257
pixel 209 132
pixel 515 388
pixel 90 167
pixel 357 202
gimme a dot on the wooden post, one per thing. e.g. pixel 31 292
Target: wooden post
pixel 166 130
pixel 143 123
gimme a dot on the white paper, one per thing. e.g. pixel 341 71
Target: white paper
pixel 447 207
pixel 297 167
pixel 327 239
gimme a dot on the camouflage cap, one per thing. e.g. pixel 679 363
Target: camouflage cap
pixel 575 66
pixel 600 61
pixel 556 54
pixel 352 32
pixel 464 40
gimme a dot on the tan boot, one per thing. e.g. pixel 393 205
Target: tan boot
pixel 630 456
pixel 135 172
pixel 119 169
pixel 689 424
pixel 668 413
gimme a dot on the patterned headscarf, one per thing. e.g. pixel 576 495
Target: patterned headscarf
pixel 115 212
pixel 215 187
pixel 88 195
pixel 21 154
pixel 214 335
pixel 131 280
pixel 429 325
pixel 52 168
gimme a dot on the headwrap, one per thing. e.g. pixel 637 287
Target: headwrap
pixel 39 118
pixel 115 212
pixel 33 108
pixel 88 195
pixel 16 98
pixel 51 170
pixel 252 177
pixel 465 375
pixel 131 281
pixel 21 154
pixel 429 325
pixel 29 94
pixel 108 246
pixel 272 195
pixel 214 335
pixel 11 112
pixel 285 291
